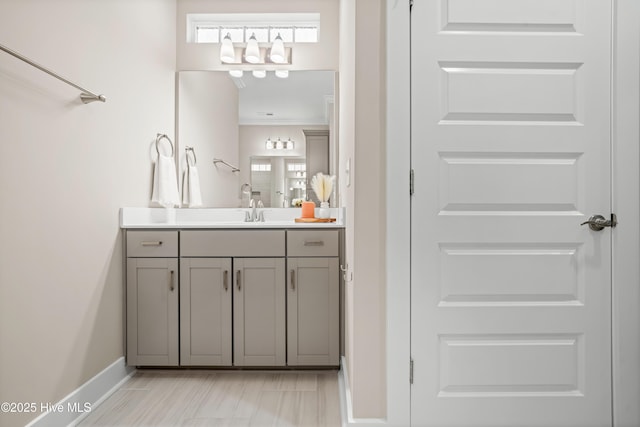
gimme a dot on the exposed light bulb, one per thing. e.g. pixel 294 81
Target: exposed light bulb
pixel 277 51
pixel 227 52
pixel 252 52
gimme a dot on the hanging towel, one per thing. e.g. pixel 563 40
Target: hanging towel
pixel 191 196
pixel 165 183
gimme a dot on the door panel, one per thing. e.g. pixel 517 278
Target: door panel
pixel 483 90
pixel 523 15
pixel 511 152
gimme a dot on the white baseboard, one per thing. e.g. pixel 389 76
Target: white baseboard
pixel 346 408
pixel 79 403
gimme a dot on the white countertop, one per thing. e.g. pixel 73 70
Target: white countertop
pixel 180 218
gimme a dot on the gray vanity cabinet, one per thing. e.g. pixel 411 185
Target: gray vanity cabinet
pixel 205 311
pixel 313 300
pixel 224 297
pixel 256 259
pixel 152 298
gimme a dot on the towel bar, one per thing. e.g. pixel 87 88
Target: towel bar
pixel 233 168
pixel 86 96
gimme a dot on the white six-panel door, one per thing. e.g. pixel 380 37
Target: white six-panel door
pixel 511 296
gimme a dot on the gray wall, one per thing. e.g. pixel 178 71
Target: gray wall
pixel 65 170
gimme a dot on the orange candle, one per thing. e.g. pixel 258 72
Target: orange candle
pixel 308 209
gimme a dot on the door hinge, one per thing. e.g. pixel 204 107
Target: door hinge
pixel 410 371
pixel 411 182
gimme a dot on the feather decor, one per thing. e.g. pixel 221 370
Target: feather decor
pixel 322 185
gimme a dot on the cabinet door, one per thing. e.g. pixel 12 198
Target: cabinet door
pixel 152 311
pixel 205 311
pixel 313 305
pixel 259 312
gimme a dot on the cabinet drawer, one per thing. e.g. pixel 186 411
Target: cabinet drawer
pixel 312 243
pixel 232 243
pixel 152 244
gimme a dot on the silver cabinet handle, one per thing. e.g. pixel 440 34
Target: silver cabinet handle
pixel 313 243
pixel 238 280
pixel 171 276
pixel 293 280
pixel 156 243
pixel 225 280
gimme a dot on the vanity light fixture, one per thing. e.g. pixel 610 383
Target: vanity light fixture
pixel 283 74
pixel 236 73
pixel 252 52
pixel 279 144
pixel 227 52
pixel 259 74
pixel 277 51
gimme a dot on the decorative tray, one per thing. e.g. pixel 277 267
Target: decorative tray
pixel 315 220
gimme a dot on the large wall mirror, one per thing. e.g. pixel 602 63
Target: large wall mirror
pixel 277 131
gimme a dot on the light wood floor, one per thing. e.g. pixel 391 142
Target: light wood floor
pixel 222 398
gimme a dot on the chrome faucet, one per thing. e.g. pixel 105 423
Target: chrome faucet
pixel 255 215
pixel 260 215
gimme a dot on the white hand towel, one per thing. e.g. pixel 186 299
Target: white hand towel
pixel 165 184
pixel 191 195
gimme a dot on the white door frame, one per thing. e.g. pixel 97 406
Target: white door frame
pixel 626 204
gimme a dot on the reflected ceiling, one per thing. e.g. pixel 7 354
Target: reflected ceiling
pixel 300 99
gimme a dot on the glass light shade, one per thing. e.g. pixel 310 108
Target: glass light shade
pixel 279 145
pixel 277 51
pixel 289 144
pixel 252 52
pixel 283 74
pixel 259 74
pixel 227 52
pixel 269 144
pixel 236 73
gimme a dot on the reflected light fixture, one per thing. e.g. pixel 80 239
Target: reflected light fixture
pixel 283 74
pixel 279 144
pixel 236 73
pixel 277 50
pixel 227 52
pixel 252 52
pixel 259 74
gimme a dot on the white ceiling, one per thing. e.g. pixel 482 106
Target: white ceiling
pixel 300 99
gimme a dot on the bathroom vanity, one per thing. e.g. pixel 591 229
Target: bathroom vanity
pixel 206 288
